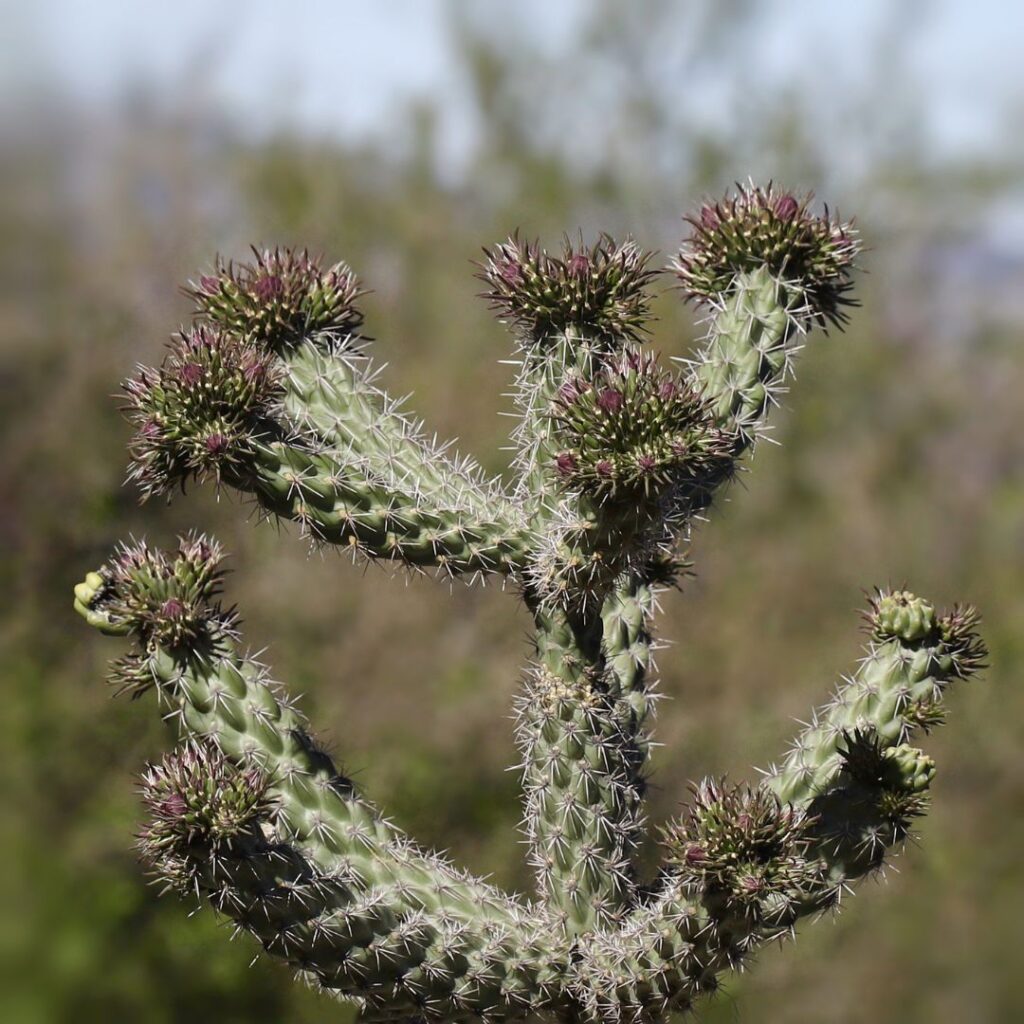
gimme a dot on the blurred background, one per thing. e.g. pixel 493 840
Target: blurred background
pixel 139 140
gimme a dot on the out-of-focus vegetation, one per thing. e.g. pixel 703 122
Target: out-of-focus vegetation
pixel 902 460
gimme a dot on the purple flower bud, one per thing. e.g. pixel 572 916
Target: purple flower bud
pixel 194 549
pixel 191 374
pixel 610 400
pixel 647 463
pixel 667 390
pixel 217 444
pixel 254 370
pixel 172 608
pixel 604 468
pixel 709 219
pixel 566 463
pixel 150 429
pixel 751 885
pixel 786 207
pixel 695 854
pixel 172 806
pixel 267 287
pixel 636 361
pixel 578 265
pixel 209 285
pixel 511 272
pixel 571 390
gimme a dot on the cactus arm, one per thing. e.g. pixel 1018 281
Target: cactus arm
pixel 851 768
pixel 218 406
pixel 269 393
pixel 844 796
pixel 579 780
pixel 748 355
pixel 330 392
pixel 383 922
pixel 335 505
pixel 769 271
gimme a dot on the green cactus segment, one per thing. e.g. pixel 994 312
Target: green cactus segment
pixel 668 954
pixel 542 373
pixel 851 768
pixel 207 411
pixel 330 393
pixel 627 644
pixel 662 959
pixel 582 727
pixel 360 474
pixel 748 354
pixel 336 506
pixel 898 687
pixel 388 924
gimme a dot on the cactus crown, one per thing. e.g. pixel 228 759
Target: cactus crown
pixel 761 227
pixel 203 411
pixel 268 392
pixel 196 800
pixel 600 292
pixel 745 847
pixel 280 299
pixel 632 431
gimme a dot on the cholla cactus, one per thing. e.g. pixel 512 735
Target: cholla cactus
pixel 268 392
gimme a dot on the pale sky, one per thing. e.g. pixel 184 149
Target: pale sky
pixel 341 66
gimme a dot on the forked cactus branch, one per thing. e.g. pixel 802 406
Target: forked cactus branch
pixel 269 392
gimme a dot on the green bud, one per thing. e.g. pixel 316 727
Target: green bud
pixel 901 616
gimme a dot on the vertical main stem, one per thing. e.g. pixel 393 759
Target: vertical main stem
pixel 585 752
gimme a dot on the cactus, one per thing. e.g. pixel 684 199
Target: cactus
pixel 269 392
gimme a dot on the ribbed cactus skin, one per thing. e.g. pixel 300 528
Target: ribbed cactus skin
pixel 748 352
pixel 270 392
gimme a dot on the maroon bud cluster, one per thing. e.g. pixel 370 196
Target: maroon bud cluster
pixel 759 227
pixel 280 299
pixel 163 599
pixel 634 431
pixel 200 805
pixel 601 292
pixel 202 411
pixel 742 846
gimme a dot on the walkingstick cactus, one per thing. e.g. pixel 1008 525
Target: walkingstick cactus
pixel 269 393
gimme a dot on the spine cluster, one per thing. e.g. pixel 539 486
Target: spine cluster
pixel 269 392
